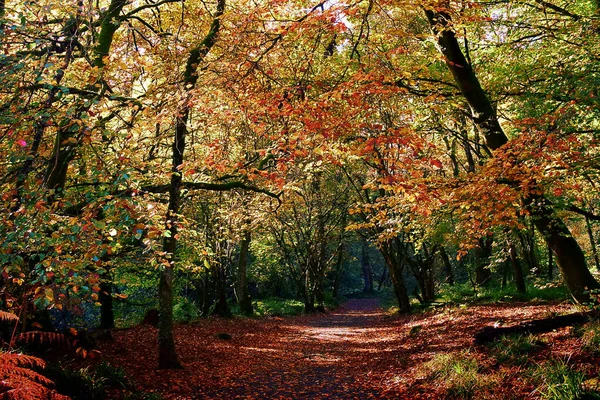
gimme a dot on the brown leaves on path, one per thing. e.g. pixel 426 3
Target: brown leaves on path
pixel 355 352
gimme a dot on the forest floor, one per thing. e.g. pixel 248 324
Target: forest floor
pixel 354 352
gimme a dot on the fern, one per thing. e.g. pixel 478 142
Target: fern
pixel 7 316
pixel 39 337
pixel 18 381
pixel 18 378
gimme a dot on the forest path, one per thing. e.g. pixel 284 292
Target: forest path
pixel 354 352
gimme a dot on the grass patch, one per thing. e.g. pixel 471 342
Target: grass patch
pixel 557 380
pixel 459 373
pixel 590 337
pixel 111 375
pixel 514 349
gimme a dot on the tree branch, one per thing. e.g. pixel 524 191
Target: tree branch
pixel 583 212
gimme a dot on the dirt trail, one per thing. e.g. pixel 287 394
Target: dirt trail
pixel 355 352
pixel 324 357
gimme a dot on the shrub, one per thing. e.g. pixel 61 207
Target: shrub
pixel 185 310
pixel 275 306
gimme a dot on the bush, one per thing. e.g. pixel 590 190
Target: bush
pixel 275 306
pixel 185 310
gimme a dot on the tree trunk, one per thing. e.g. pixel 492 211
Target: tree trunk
pixel 527 239
pixel 483 275
pixel 107 315
pixel 590 233
pixel 308 294
pixel 319 295
pixel 383 277
pixel 391 254
pixel 167 356
pixel 517 268
pixel 505 269
pixel 447 266
pixel 550 263
pixel 366 268
pixel 243 295
pixel 570 258
pixel 220 280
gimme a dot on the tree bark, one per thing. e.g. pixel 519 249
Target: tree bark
pixel 107 315
pixel 391 251
pixel 569 256
pixel 517 268
pixel 447 266
pixel 550 263
pixel 221 308
pixel 483 275
pixel 366 268
pixel 243 295
pixel 590 233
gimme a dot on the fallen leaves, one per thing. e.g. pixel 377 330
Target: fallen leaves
pixel 356 352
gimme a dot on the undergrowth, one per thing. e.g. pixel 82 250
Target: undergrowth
pixel 557 380
pixel 465 292
pixel 277 307
pixel 590 337
pixel 459 373
pixel 514 349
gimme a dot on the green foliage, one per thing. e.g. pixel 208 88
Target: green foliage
pixel 514 349
pixel 113 376
pixel 459 373
pixel 557 380
pixel 185 310
pixel 463 292
pixel 276 307
pixel 590 337
pixel 90 384
pixel 77 383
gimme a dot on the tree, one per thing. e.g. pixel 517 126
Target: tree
pixel 570 257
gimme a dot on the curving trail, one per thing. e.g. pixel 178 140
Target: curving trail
pixel 355 352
